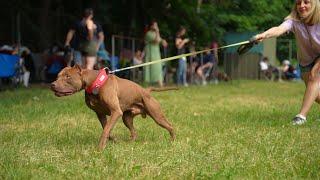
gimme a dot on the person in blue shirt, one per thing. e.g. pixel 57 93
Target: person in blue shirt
pixel 206 65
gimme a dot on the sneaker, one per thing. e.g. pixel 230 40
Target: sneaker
pixel 299 120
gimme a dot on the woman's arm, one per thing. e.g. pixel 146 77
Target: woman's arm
pixel 157 39
pixel 91 27
pixel 181 42
pixel 272 32
pixel 69 37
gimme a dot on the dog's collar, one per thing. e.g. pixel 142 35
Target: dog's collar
pixel 97 83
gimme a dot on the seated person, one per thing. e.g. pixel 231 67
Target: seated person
pixel 10 50
pixel 288 71
pixel 208 62
pixel 192 63
pixel 137 59
pixel 28 63
pixel 269 72
pixel 264 68
pixel 55 63
pixel 125 61
pixel 103 58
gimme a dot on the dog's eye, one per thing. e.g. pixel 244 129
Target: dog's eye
pixel 68 77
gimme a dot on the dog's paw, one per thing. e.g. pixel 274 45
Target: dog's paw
pixel 102 145
pixel 133 137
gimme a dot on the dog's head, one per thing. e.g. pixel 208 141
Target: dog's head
pixel 69 81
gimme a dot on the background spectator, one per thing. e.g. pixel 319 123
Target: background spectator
pixel 269 71
pixel 137 59
pixel 288 71
pixel 180 43
pixel 28 63
pixel 88 38
pixel 153 73
pixel 103 59
pixel 204 69
pixel 55 63
pixel 264 68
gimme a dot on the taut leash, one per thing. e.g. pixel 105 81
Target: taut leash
pixel 178 57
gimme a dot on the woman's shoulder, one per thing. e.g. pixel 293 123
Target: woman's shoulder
pixel 317 25
pixel 292 25
pixel 293 21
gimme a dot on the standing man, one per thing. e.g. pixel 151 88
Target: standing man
pixel 88 36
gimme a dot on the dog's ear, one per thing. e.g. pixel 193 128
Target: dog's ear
pixel 78 68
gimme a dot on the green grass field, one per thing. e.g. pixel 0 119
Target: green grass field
pixel 236 130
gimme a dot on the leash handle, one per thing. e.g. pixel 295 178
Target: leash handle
pixel 244 48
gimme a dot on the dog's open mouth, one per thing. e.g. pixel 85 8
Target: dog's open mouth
pixel 62 93
pixel 59 94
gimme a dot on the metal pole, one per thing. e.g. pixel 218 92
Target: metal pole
pixel 113 52
pixel 133 46
pixel 133 54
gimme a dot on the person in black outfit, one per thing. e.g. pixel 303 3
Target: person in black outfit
pixel 88 38
pixel 28 63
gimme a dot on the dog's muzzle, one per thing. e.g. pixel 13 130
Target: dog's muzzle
pixel 61 92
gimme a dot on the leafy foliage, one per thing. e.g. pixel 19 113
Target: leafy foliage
pixel 47 21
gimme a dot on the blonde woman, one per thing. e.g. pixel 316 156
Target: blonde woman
pixel 304 22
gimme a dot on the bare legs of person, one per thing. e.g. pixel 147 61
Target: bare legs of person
pixel 89 62
pixel 312 93
pixel 200 72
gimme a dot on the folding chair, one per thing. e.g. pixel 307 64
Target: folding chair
pixel 9 68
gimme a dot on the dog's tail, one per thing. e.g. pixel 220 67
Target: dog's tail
pixel 151 89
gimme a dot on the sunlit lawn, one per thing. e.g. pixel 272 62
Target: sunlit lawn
pixel 233 130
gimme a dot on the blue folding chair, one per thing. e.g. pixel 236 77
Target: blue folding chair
pixel 9 67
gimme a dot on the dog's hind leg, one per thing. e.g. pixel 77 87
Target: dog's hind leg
pixel 128 121
pixel 154 110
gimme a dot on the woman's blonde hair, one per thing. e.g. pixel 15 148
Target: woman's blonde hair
pixel 312 18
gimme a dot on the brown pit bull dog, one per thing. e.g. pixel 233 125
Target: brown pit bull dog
pixel 116 98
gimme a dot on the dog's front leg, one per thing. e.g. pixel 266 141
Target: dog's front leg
pixel 103 121
pixel 108 127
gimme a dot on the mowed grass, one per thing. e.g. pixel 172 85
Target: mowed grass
pixel 230 130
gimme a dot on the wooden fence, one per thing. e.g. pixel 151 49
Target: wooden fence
pixel 242 67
